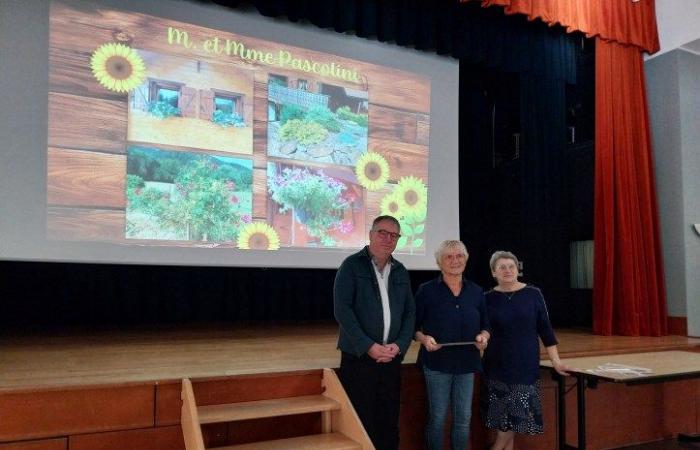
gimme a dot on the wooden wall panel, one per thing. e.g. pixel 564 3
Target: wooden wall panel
pixel 260 194
pixel 46 444
pixel 162 438
pixel 68 75
pixel 423 129
pixel 260 126
pixel 87 123
pixel 392 125
pixel 70 224
pixel 84 178
pixel 48 413
pixel 404 159
pixel 168 403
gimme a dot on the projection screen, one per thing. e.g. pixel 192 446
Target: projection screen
pixel 171 132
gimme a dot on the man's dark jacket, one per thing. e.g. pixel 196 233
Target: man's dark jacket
pixel 357 305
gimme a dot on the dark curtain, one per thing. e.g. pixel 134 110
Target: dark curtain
pixel 493 49
pixel 544 199
pixel 522 205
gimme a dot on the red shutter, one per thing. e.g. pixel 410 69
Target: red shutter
pixel 206 104
pixel 186 102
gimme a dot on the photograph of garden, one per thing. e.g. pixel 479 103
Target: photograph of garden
pixel 315 207
pixel 313 121
pixel 186 196
pixel 191 103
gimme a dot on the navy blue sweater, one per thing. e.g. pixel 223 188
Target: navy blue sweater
pixel 450 318
pixel 517 320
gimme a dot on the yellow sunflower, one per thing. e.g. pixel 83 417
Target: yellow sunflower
pixel 372 171
pixel 390 206
pixel 412 195
pixel 258 236
pixel 117 67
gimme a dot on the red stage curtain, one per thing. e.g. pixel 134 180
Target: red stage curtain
pixel 629 294
pixel 622 21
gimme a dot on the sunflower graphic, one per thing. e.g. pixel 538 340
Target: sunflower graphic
pixel 372 171
pixel 117 67
pixel 390 206
pixel 411 195
pixel 258 236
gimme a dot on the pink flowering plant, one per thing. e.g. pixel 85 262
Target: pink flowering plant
pixel 316 199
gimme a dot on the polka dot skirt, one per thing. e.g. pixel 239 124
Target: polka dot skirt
pixel 515 407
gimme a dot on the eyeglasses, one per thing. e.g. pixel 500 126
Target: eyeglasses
pixel 385 234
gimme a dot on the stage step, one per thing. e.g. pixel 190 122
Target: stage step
pixel 328 441
pixel 266 408
pixel 341 428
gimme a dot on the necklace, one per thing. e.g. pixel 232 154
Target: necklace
pixel 510 295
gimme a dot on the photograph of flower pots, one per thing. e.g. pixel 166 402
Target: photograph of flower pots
pixel 161 135
pixel 315 207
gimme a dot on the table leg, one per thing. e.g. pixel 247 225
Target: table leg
pixel 561 413
pixel 581 410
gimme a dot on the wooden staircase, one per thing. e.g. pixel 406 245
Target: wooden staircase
pixel 340 426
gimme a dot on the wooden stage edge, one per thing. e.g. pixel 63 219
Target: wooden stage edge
pixel 100 357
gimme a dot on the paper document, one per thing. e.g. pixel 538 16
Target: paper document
pixel 620 369
pixel 449 344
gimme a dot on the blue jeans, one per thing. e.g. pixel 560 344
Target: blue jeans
pixel 443 389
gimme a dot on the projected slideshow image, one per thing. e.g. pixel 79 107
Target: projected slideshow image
pixel 316 121
pixel 186 196
pixel 190 103
pixel 170 134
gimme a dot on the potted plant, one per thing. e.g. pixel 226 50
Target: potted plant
pixel 315 199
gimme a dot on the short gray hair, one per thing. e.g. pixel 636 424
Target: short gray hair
pixel 502 254
pixel 392 219
pixel 448 244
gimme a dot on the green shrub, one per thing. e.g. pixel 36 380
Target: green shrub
pixel 134 181
pixel 290 112
pixel 323 116
pixel 302 131
pixel 344 113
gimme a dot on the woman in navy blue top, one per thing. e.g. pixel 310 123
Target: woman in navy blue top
pixel 518 317
pixel 450 310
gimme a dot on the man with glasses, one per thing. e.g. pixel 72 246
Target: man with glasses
pixel 374 307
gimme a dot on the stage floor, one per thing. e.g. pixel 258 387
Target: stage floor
pixel 169 353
